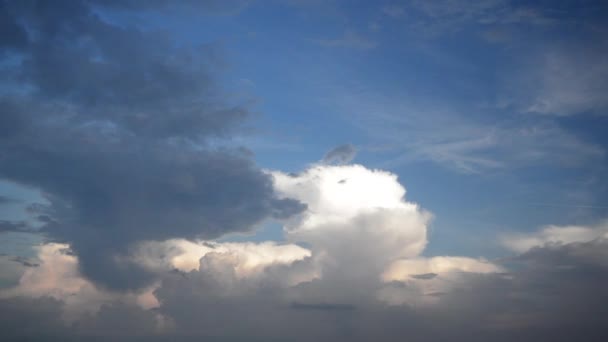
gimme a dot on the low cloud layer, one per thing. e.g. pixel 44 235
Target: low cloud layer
pixel 554 236
pixel 351 269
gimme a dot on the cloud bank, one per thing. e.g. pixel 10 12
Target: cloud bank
pixel 351 268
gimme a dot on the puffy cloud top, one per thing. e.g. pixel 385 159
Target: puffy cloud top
pixel 355 216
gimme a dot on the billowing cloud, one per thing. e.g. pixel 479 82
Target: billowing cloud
pixel 113 124
pixel 351 205
pixel 57 276
pixel 555 291
pixel 352 268
pixel 242 261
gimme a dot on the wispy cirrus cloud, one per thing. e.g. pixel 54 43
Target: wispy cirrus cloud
pixel 412 131
pixel 569 80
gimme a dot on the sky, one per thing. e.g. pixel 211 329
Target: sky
pixel 303 170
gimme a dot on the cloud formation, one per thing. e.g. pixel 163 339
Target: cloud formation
pixel 351 205
pixel 571 80
pixel 113 124
pixel 127 134
pixel 354 254
pixel 555 291
pixel 342 154
pixel 554 235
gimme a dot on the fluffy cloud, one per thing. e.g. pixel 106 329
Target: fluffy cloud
pixel 230 261
pixel 56 275
pixel 357 226
pixel 229 265
pixel 361 229
pixel 357 220
pixel 555 292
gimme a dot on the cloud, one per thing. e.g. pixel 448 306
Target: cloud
pixel 342 154
pixel 554 235
pixel 571 80
pixel 424 276
pixel 6 200
pixel 412 129
pixel 241 260
pixel 426 269
pixel 555 292
pixel 122 131
pixel 11 226
pixel 436 18
pixel 422 281
pixel 57 272
pixel 348 206
pixel 351 269
pixel 114 125
pixel 202 6
pixel 323 307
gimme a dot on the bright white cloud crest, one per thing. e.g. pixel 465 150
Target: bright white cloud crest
pixel 354 214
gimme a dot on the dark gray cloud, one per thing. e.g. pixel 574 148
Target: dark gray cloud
pixel 322 306
pixel 40 319
pixel 553 293
pixel 12 35
pixel 202 6
pixel 113 124
pixel 5 199
pixel 13 226
pixel 339 155
pixel 424 276
pixel 25 262
pixel 30 319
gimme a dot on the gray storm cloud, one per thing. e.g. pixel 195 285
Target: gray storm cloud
pixel 112 124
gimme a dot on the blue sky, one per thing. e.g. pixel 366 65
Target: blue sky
pixel 165 160
pixel 469 105
pixel 441 94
